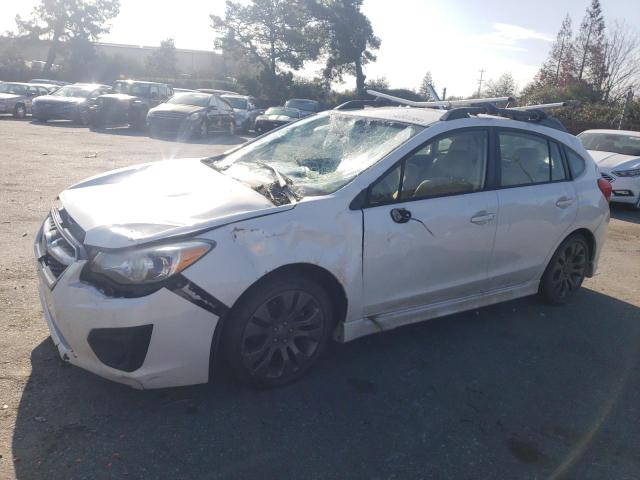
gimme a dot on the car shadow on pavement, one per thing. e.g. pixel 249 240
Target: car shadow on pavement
pixel 626 213
pixel 516 390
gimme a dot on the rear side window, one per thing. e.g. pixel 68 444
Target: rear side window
pixel 528 159
pixel 576 163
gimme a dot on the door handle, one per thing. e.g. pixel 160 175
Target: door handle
pixel 564 202
pixel 482 218
pixel 400 215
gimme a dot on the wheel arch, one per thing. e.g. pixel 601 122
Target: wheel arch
pixel 591 242
pixel 321 275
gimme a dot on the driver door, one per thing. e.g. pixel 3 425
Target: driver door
pixel 429 225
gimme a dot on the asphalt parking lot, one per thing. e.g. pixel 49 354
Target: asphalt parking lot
pixel 517 390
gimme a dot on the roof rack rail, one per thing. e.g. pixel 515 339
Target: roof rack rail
pixel 441 103
pixel 531 113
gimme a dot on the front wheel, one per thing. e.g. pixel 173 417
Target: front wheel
pixel 278 331
pixel 566 271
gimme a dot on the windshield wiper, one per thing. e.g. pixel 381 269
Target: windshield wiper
pixel 285 185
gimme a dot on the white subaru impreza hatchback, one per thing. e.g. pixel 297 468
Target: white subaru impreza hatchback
pixel 342 224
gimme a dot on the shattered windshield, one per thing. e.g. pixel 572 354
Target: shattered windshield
pixel 317 155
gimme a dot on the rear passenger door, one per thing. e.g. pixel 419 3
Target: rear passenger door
pixel 537 205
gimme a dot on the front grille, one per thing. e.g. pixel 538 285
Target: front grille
pixel 58 244
pixel 608 177
pixel 171 115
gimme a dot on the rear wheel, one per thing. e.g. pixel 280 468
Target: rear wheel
pixel 566 271
pixel 20 111
pixel 278 331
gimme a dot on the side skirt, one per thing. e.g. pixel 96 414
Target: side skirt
pixel 388 321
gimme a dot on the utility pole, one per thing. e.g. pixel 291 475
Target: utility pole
pixel 482 70
pixel 627 101
pixel 444 94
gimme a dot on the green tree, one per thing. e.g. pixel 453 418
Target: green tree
pixel 589 45
pixel 560 68
pixel 67 20
pixel 350 40
pixel 274 33
pixel 426 85
pixel 505 86
pixel 163 61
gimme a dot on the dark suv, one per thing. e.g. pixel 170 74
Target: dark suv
pixel 129 104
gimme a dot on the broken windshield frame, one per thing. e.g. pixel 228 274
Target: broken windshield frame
pixel 318 155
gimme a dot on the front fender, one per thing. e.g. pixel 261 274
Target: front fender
pixel 246 251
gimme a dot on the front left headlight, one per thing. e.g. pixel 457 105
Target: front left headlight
pixel 148 265
pixel 195 115
pixel 633 172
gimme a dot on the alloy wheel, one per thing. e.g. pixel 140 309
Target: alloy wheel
pixel 569 269
pixel 282 335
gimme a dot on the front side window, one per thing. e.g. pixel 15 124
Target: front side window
pixel 317 155
pixel 528 159
pixel 455 163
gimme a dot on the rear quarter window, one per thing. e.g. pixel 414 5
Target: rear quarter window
pixel 576 163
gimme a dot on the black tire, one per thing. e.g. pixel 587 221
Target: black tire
pixel 20 111
pixel 566 270
pixel 277 332
pixel 139 123
pixel 82 119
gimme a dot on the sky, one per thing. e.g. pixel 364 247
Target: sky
pixel 454 39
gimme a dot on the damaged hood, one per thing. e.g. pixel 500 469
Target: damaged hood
pixel 153 201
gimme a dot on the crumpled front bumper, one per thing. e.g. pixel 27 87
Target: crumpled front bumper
pixel 180 343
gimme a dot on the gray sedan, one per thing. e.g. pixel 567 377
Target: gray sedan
pixel 15 98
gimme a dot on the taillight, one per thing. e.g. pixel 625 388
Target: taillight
pixel 605 188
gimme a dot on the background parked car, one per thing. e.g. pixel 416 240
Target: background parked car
pixel 617 153
pixel 71 102
pixel 191 114
pixel 275 117
pixel 244 110
pixel 129 104
pixel 16 97
pixel 59 83
pixel 306 106
pixel 217 91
